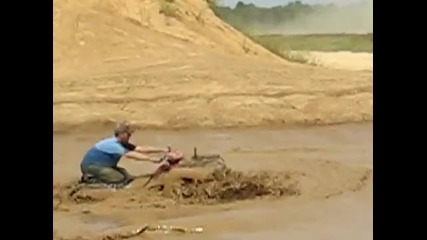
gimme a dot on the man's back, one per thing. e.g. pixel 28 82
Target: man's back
pixel 106 152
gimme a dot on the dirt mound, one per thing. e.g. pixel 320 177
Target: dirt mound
pixel 104 33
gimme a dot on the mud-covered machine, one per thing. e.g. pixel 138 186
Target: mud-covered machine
pixel 197 167
pixel 174 166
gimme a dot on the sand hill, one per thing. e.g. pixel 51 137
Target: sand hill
pixel 102 33
pixel 173 63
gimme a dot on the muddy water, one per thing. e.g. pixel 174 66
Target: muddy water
pixel 345 216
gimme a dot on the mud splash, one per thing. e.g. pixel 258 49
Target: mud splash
pixel 234 185
pixel 221 187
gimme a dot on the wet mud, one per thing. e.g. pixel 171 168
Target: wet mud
pixel 302 174
pixel 220 187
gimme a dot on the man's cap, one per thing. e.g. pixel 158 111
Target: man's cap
pixel 124 127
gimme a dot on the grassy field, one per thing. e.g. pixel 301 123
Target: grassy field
pixel 318 42
pixel 286 45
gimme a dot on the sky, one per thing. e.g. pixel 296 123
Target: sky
pixel 269 3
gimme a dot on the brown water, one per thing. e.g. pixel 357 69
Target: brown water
pixel 331 207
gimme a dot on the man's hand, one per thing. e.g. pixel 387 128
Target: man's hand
pixel 175 155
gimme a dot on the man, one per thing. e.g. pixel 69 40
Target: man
pixel 100 162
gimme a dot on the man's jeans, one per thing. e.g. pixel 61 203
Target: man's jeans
pixel 108 175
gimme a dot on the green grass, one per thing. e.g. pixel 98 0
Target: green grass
pixel 316 42
pixel 276 47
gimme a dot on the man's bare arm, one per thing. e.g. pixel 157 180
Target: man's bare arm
pixel 141 157
pixel 149 149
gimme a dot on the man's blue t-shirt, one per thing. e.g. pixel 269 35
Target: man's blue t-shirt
pixel 106 153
